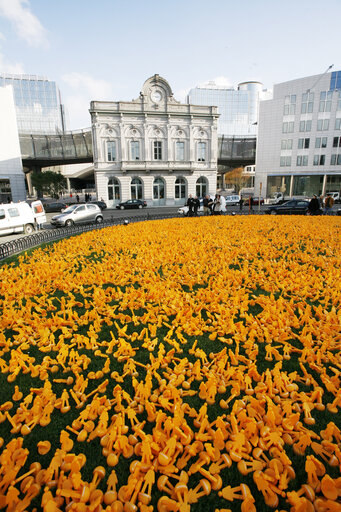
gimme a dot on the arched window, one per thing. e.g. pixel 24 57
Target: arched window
pixel 180 188
pixel 201 187
pixel 114 189
pixel 136 188
pixel 159 191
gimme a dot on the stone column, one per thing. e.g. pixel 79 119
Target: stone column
pixel 291 189
pixel 148 189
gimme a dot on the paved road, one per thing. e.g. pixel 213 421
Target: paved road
pixel 121 214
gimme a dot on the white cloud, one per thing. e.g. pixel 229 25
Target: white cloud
pixel 181 94
pixel 97 88
pixel 83 88
pixel 10 67
pixel 220 81
pixel 26 24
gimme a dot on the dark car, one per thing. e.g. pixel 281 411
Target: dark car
pixel 101 204
pixel 131 203
pixel 292 207
pixel 54 206
pixel 254 201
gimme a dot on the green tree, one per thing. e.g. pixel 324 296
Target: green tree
pixel 49 183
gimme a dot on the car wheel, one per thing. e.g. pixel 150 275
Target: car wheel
pixel 140 206
pixel 99 220
pixel 273 212
pixel 69 223
pixel 28 229
pixel 121 207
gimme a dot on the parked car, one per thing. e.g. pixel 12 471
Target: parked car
pixel 254 201
pixel 21 217
pixel 78 214
pixel 101 204
pixel 232 200
pixel 292 207
pixel 131 203
pixel 54 206
pixel 183 210
pixel 278 198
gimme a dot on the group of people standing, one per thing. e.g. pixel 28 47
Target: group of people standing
pixel 211 206
pixel 317 204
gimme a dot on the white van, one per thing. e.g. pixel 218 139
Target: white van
pixel 21 217
pixel 233 199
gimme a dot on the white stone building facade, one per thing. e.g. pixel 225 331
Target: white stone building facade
pixel 154 148
pixel 299 138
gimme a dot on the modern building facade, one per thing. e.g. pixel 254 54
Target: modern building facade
pixel 37 103
pixel 12 178
pixel 238 108
pixel 299 138
pixel 154 148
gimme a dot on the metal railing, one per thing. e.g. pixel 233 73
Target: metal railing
pixel 27 242
pixel 24 243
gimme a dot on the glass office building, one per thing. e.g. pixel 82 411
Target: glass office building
pixel 37 103
pixel 238 108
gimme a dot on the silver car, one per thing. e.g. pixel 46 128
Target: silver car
pixel 78 214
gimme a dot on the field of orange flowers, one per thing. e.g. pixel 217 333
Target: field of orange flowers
pixel 179 365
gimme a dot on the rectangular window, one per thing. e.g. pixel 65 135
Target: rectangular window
pixel 338 124
pixel 289 144
pixel 305 160
pixel 288 161
pixel 201 151
pixel 282 161
pixel 333 160
pixel 322 124
pixel 306 143
pixel 285 128
pixel 290 105
pixel 338 159
pixel 318 142
pixel 299 160
pixel 300 143
pixel 307 104
pixel 13 212
pixel 324 142
pixel 322 159
pixel 157 150
pixel 316 159
pixel 135 150
pixel 111 151
pixel 180 151
pixel 284 144
pixel 325 101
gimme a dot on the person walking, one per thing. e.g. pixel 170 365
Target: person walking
pixel 328 205
pixel 222 205
pixel 196 206
pixel 206 206
pixel 190 204
pixel 217 205
pixel 314 206
pixel 241 201
pixel 77 198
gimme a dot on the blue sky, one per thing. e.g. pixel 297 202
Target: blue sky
pixel 107 49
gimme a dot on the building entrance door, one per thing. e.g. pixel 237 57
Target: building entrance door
pixel 159 198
